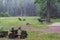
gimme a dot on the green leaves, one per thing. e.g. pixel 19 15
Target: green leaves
pixel 43 5
pixel 4 14
pixel 42 1
pixel 39 1
pixel 53 1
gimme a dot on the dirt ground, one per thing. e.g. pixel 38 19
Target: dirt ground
pixel 55 27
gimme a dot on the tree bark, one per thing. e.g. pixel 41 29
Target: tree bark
pixel 48 11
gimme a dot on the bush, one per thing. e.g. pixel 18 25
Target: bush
pixel 4 14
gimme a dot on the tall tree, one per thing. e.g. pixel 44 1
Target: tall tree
pixel 46 4
pixel 48 11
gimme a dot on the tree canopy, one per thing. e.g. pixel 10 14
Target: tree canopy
pixel 43 6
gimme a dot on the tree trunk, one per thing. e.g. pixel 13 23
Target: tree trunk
pixel 48 11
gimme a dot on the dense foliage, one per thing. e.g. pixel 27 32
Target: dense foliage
pixel 4 14
pixel 42 8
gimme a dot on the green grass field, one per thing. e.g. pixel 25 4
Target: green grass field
pixel 38 36
pixel 13 21
pixel 32 35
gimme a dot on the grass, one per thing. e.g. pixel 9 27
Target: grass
pixel 42 36
pixel 55 20
pixel 32 35
pixel 13 21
